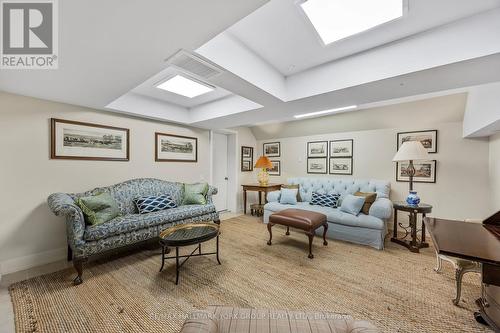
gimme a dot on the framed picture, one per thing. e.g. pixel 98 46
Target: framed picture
pixel 427 138
pixel 246 159
pixel 341 165
pixel 175 148
pixel 246 166
pixel 246 152
pixel 276 170
pixel 85 141
pixel 341 148
pixel 317 149
pixel 425 171
pixel 272 149
pixel 317 165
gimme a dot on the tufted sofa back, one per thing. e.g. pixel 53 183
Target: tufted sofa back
pixel 342 186
pixel 124 193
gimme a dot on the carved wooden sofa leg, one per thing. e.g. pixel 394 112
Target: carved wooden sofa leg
pixel 78 264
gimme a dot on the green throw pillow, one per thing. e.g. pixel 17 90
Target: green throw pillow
pixel 195 194
pixel 98 208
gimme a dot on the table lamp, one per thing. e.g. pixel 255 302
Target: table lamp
pixel 263 163
pixel 411 151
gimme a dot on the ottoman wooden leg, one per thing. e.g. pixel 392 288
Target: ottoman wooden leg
pixel 287 231
pixel 269 226
pixel 325 228
pixel 311 237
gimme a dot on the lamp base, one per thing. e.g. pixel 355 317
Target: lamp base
pixel 413 199
pixel 263 177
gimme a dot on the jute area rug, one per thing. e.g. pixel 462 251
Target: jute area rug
pixel 396 290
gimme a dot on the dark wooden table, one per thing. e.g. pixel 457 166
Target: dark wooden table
pixel 258 188
pixel 184 235
pixel 414 244
pixel 477 242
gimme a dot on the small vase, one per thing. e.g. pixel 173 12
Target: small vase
pixel 412 199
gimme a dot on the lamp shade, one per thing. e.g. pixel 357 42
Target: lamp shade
pixel 263 162
pixel 411 151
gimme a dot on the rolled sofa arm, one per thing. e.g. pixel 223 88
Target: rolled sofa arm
pixel 381 208
pixel 62 204
pixel 212 190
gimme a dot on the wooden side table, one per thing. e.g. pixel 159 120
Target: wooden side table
pixel 258 188
pixel 414 244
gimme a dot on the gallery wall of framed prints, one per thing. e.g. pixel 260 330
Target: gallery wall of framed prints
pixel 246 159
pixel 425 171
pixel 334 157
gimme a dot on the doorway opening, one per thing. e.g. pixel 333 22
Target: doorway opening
pixel 224 169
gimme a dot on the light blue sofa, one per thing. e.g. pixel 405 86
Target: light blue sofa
pixel 361 229
pixel 131 227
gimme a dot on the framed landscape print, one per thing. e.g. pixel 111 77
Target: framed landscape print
pixel 272 149
pixel 427 138
pixel 317 149
pixel 175 148
pixel 246 159
pixel 276 170
pixel 317 165
pixel 341 148
pixel 341 165
pixel 425 171
pixel 85 141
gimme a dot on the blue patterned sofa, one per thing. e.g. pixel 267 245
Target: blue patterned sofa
pixel 361 229
pixel 129 228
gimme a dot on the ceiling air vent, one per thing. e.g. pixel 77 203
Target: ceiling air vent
pixel 194 64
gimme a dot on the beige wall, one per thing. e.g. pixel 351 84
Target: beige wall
pixel 29 233
pixel 246 138
pixel 462 184
pixel 495 172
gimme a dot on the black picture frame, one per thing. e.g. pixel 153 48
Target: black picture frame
pixel 417 179
pixel 319 172
pixel 333 142
pixel 246 159
pixel 278 154
pixel 340 172
pixel 272 173
pixel 57 141
pixel 325 154
pixel 192 140
pixel 434 134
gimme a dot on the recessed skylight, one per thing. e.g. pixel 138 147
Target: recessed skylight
pixel 337 19
pixel 183 86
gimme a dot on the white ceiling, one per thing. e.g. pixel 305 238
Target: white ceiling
pixel 114 63
pixel 109 47
pixel 280 33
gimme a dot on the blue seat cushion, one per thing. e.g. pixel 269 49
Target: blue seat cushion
pixel 132 222
pixel 333 215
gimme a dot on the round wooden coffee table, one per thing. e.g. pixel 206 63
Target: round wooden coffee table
pixel 185 235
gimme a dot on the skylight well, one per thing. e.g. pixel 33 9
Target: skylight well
pixel 181 85
pixel 337 19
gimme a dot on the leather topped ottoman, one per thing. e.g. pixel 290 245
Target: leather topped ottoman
pixel 300 219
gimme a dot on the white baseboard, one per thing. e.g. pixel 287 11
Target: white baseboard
pixel 32 260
